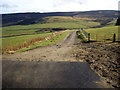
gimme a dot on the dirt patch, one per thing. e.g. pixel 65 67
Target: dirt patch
pixel 103 58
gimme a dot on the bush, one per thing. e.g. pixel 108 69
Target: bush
pixel 81 36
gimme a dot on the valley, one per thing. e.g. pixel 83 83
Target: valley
pixel 50 48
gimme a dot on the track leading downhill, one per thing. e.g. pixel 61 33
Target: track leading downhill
pixel 48 67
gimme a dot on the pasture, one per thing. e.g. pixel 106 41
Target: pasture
pixel 17 40
pixel 25 37
pixel 50 22
pixel 17 37
pixel 104 33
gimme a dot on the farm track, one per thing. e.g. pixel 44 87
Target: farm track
pixel 56 66
pixel 50 53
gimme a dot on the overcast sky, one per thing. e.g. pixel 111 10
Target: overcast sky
pixel 15 6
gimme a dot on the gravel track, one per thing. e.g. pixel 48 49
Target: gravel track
pixel 54 66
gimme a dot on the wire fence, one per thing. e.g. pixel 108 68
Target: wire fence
pixel 101 37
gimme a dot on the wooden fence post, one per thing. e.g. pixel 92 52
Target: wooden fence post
pixel 104 38
pixel 114 37
pixel 96 37
pixel 88 37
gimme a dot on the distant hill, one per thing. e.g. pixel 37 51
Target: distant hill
pixel 102 16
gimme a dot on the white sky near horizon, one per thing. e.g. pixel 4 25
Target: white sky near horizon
pixel 17 6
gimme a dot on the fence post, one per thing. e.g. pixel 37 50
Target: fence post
pixel 114 37
pixel 88 37
pixel 104 37
pixel 96 37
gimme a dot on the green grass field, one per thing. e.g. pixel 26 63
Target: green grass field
pixel 52 22
pixel 104 34
pixel 14 42
pixel 71 25
pixel 27 42
pixel 17 40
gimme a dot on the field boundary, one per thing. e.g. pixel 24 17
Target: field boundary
pixel 104 37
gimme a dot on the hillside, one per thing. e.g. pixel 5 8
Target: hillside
pixel 103 17
pixel 49 24
pixel 59 50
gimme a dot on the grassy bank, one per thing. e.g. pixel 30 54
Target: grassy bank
pixel 17 40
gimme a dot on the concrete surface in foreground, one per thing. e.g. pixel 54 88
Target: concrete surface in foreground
pixel 48 67
pixel 49 74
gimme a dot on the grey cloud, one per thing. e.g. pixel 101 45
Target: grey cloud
pixel 61 2
pixel 8 5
